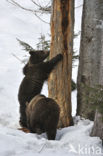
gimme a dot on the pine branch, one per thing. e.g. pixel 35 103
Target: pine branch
pixel 25 45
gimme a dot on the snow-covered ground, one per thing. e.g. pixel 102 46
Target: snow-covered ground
pixel 71 141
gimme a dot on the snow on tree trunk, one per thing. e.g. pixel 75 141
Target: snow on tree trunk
pixel 62 23
pixel 98 125
pixel 91 56
pixel 98 122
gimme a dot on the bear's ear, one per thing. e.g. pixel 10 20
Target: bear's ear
pixel 31 52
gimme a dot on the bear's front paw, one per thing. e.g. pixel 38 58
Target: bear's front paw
pixel 60 56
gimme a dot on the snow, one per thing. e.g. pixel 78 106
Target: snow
pixel 74 140
pixel 68 141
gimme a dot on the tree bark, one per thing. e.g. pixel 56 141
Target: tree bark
pixel 90 71
pixel 98 125
pixel 62 23
pixel 98 122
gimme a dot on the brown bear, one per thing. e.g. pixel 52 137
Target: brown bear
pixel 36 71
pixel 42 116
pixel 35 58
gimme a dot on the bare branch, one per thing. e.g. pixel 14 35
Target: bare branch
pixel 41 19
pixel 42 148
pixel 79 6
pixel 41 9
pixel 11 2
pixel 35 3
pixel 20 6
pixel 45 9
pixel 49 4
pixel 17 58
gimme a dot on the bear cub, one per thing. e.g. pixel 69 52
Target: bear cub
pixel 43 116
pixel 36 71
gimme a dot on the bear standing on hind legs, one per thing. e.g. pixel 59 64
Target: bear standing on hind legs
pixel 43 116
pixel 36 72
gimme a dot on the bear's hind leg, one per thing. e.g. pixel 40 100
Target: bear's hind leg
pixel 23 119
pixel 51 134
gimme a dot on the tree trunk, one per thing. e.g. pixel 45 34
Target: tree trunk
pixel 98 125
pixel 91 56
pixel 98 122
pixel 62 23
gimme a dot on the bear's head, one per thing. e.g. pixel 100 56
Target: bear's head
pixel 38 56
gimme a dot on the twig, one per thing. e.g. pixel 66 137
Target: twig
pixel 20 6
pixel 35 3
pixel 46 9
pixel 10 2
pixel 30 10
pixel 79 6
pixel 41 19
pixel 42 148
pixel 48 4
pixel 17 58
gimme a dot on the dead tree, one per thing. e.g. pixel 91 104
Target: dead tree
pixel 62 23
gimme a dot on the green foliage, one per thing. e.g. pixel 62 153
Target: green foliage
pixel 95 97
pixel 74 57
pixel 43 44
pixel 73 85
pixel 25 45
pixel 76 34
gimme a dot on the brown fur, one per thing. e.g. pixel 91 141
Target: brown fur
pixel 36 72
pixel 42 116
pixel 24 130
